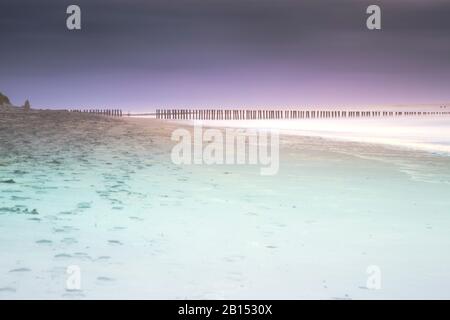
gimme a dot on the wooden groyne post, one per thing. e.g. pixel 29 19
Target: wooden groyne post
pixel 252 114
pixel 102 112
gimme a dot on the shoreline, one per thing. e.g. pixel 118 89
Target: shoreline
pixel 431 135
pixel 338 130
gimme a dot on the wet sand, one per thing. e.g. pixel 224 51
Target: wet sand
pixel 102 194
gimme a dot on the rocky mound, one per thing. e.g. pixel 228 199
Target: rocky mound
pixel 4 100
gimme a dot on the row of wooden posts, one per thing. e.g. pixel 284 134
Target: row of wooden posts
pixel 214 114
pixel 103 112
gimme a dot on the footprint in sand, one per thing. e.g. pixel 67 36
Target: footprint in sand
pixel 84 205
pixel 44 241
pixel 20 270
pixel 69 241
pixel 105 279
pixel 63 255
pixel 104 258
pixel 115 242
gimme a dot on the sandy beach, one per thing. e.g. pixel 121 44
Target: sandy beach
pixel 102 194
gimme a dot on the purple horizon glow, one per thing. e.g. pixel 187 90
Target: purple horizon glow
pixel 141 55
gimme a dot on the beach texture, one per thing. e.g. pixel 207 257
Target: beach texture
pixel 102 194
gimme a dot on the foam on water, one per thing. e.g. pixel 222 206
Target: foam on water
pixel 429 133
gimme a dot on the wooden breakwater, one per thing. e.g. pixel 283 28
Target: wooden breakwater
pixel 224 114
pixel 102 112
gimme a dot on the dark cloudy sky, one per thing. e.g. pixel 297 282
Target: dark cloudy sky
pixel 140 54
